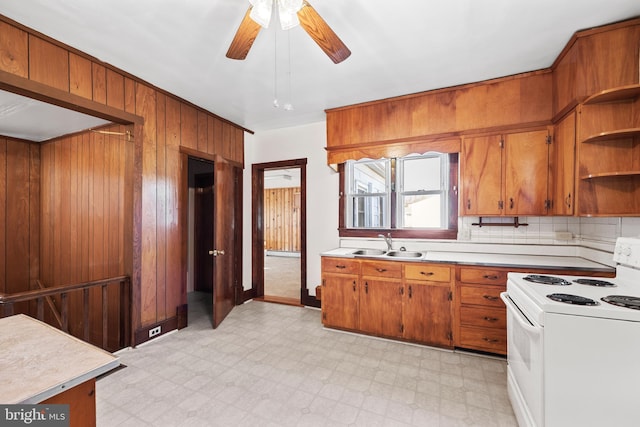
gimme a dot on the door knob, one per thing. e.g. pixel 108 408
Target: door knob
pixel 216 252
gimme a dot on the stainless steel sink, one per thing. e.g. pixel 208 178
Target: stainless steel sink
pixel 404 254
pixel 369 252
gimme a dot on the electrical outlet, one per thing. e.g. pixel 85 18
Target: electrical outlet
pixel 155 331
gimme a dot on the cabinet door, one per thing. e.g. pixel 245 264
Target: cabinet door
pixel 381 307
pixel 481 170
pixel 563 166
pixel 340 300
pixel 526 173
pixel 427 313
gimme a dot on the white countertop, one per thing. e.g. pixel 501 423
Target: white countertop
pixel 38 361
pixel 491 259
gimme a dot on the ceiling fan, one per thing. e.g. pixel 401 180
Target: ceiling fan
pixel 291 13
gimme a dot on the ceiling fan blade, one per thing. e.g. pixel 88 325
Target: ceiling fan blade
pixel 246 34
pixel 322 34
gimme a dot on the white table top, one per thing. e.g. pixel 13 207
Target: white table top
pixel 38 361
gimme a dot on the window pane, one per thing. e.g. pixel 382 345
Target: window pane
pixel 368 211
pixel 422 211
pixel 370 177
pixel 422 174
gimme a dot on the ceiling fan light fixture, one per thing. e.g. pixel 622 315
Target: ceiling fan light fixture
pixel 288 12
pixel 261 12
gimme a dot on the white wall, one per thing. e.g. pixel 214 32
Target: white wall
pixel 308 141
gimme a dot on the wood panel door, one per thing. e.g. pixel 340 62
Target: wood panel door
pixel 563 165
pixel 481 170
pixel 340 301
pixel 224 231
pixel 427 313
pixel 526 157
pixel 381 307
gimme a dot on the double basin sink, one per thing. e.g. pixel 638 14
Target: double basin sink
pixel 387 254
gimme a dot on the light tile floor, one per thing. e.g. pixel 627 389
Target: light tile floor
pixel 275 365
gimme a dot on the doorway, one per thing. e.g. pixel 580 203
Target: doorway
pixel 279 258
pixel 212 249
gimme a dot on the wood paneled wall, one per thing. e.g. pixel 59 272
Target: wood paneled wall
pixel 19 215
pixel 282 219
pixel 152 252
pixel 86 207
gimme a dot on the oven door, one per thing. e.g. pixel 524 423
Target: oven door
pixel 525 365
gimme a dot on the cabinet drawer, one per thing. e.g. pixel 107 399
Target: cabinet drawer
pixel 429 272
pixel 481 295
pixel 340 265
pixel 382 269
pixel 485 339
pixel 483 276
pixel 483 317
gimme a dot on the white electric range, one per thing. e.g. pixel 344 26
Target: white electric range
pixel 573 345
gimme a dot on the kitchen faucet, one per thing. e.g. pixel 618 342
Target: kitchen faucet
pixel 387 240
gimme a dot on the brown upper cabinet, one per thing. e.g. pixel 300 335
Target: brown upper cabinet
pixel 581 173
pixel 505 174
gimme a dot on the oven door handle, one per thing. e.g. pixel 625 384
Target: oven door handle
pixel 518 314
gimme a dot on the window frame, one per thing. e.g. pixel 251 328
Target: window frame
pixel 451 233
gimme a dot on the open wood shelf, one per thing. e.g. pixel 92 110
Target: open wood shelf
pixel 623 93
pixel 613 135
pixel 616 174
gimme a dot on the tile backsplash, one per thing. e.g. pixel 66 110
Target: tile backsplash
pixel 549 230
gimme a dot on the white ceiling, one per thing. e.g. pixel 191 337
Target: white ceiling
pixel 398 47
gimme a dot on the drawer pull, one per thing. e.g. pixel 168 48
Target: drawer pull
pixel 490 340
pixel 490 297
pixel 490 277
pixel 341 266
pixel 490 319
pixel 381 270
pixel 427 273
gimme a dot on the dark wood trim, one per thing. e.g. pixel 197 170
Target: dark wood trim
pixel 257 227
pixel 249 294
pixel 167 325
pixel 136 244
pixel 41 92
pixel 182 314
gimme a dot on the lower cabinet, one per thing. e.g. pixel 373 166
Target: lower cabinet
pixel 381 292
pixel 481 314
pixel 427 306
pixel 392 299
pixel 340 292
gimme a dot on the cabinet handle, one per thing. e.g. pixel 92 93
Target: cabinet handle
pixel 511 203
pixel 381 270
pixel 410 291
pixel 427 273
pixel 354 286
pixel 490 319
pixel 366 287
pixel 490 340
pixel 401 291
pixel 341 266
pixel 468 203
pixel 490 297
pixel 490 277
pixel 567 201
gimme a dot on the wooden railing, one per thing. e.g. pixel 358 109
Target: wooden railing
pixel 59 314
